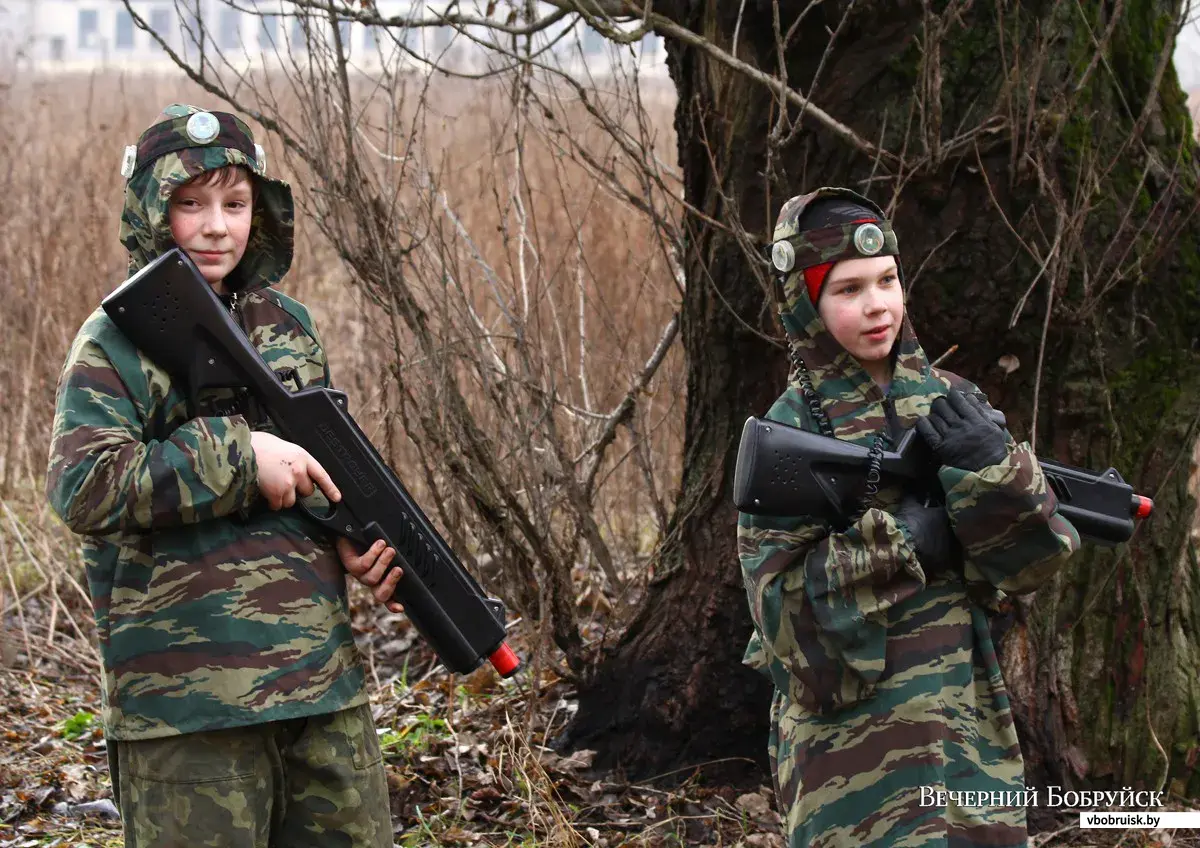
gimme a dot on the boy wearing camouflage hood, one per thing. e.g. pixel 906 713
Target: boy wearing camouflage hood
pixel 233 695
pixel 887 688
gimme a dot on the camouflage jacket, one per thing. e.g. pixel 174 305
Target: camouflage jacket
pixel 886 676
pixel 211 610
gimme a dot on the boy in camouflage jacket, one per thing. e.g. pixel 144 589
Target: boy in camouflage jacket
pixel 233 695
pixel 874 632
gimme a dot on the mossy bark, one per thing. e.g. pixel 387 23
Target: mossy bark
pixel 1082 180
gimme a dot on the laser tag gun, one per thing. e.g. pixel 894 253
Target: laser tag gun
pixel 782 470
pixel 173 315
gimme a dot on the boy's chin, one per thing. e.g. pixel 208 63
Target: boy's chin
pixel 213 275
pixel 874 353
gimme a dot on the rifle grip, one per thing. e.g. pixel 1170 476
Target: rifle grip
pixel 373 533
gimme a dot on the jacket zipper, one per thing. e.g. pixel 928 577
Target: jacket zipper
pixel 235 312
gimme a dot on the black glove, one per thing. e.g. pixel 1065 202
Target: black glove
pixel 937 547
pixel 959 433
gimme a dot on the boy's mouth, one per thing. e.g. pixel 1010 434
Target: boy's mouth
pixel 878 332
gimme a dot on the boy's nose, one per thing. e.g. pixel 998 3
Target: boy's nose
pixel 214 222
pixel 873 303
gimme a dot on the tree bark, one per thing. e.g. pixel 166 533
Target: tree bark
pixel 1103 665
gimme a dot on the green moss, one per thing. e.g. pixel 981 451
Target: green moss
pixel 1177 118
pixel 904 67
pixel 1136 45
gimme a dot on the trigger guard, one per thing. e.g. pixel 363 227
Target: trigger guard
pixel 332 522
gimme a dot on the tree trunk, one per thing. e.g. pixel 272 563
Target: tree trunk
pixel 674 691
pixel 1078 188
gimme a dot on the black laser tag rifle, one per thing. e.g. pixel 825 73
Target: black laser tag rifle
pixel 173 316
pixel 783 470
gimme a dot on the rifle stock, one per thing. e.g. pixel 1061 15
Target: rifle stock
pixel 783 470
pixel 169 312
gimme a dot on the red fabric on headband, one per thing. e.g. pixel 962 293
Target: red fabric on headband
pixel 814 278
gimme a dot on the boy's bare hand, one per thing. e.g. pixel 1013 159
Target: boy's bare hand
pixel 369 569
pixel 286 470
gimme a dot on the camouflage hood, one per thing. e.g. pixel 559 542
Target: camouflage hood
pixel 836 375
pixel 186 141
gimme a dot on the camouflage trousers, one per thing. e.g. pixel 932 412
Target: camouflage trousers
pixel 316 781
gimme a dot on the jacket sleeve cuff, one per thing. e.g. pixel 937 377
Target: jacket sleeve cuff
pixel 1006 518
pixel 1011 492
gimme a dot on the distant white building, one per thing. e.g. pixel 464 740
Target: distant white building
pixel 84 35
pixel 1187 55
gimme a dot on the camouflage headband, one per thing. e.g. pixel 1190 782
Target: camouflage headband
pixel 833 244
pixel 199 129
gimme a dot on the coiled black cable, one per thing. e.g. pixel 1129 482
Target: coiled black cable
pixel 875 455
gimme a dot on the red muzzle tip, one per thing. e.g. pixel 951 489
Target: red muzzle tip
pixel 505 661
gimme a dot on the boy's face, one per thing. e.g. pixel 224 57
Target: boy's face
pixel 212 224
pixel 862 305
